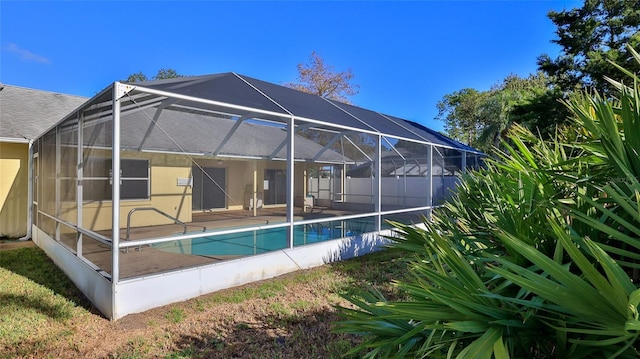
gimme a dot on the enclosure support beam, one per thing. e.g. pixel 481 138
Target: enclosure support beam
pixel 280 146
pixel 255 190
pixel 228 136
pixel 154 121
pixel 404 184
pixel 358 147
pixel 429 179
pixel 464 162
pixel 115 197
pixel 290 177
pixel 343 182
pixel 377 196
pixel 333 140
pixel 79 176
pixel 58 186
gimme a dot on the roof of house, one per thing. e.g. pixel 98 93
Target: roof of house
pixel 172 130
pixel 26 113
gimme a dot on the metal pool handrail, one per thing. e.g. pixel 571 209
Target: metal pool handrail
pixel 176 221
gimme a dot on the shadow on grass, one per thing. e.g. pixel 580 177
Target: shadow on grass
pixel 305 335
pixel 281 328
pixel 375 270
pixel 56 310
pixel 298 334
pixel 32 263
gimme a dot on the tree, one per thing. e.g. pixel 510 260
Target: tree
pixel 542 113
pixel 589 36
pixel 460 112
pixel 160 75
pixel 506 104
pixel 137 77
pixel 479 118
pixel 318 78
pixel 166 74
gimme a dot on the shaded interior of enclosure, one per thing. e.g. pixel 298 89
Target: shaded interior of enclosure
pixel 184 172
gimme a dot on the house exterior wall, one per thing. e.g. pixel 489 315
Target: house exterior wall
pixel 173 199
pixel 300 181
pixel 14 185
pixel 165 195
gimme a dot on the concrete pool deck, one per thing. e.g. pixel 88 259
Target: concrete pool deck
pixel 146 260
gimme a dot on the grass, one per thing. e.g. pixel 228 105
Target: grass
pixel 175 315
pixel 44 315
pixel 34 295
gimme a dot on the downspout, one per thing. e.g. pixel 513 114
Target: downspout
pixel 29 193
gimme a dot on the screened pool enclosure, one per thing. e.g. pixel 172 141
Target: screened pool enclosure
pixel 160 191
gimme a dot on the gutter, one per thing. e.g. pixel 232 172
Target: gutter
pixel 29 193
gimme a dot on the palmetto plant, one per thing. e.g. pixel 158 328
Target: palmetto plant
pixel 515 193
pixel 613 140
pixel 533 258
pixel 455 309
pixel 593 309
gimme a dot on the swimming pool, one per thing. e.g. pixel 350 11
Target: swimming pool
pixel 265 240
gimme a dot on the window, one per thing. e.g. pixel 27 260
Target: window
pixel 98 178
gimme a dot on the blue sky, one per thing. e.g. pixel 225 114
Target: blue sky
pixel 405 55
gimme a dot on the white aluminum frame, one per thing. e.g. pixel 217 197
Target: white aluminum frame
pixel 130 295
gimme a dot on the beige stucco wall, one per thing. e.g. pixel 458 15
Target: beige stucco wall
pixel 166 196
pixel 174 199
pixel 14 177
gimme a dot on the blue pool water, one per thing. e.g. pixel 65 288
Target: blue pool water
pixel 261 241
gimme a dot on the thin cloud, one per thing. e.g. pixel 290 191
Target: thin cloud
pixel 26 55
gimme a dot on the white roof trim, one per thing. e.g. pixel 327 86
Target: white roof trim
pixel 14 140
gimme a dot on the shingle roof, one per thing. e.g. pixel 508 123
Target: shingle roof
pixel 183 131
pixel 204 134
pixel 26 113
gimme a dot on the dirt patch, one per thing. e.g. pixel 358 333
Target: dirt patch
pixel 6 244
